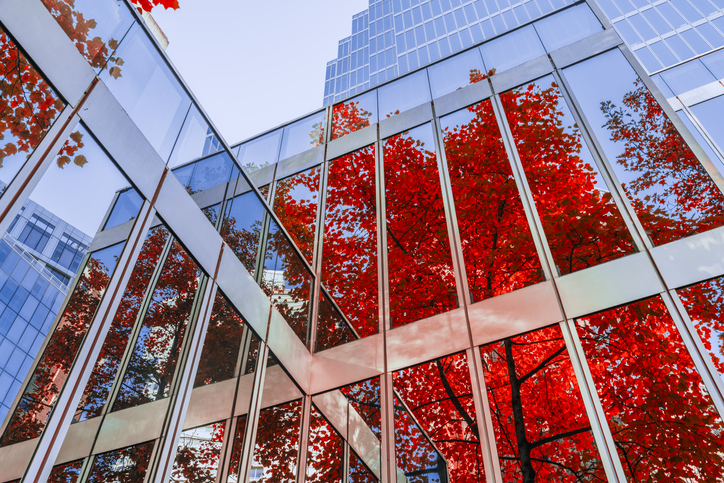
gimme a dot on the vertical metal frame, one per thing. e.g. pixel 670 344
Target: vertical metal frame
pixel 304 439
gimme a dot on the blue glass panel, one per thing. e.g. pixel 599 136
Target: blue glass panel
pixel 687 76
pixel 404 93
pixel 456 72
pixel 567 26
pixel 126 208
pixel 303 135
pixel 512 49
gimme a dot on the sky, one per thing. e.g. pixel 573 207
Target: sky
pixel 254 65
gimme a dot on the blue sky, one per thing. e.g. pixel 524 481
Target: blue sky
pixel 252 64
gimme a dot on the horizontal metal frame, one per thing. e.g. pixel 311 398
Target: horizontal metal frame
pixel 585 48
pixel 351 142
pixel 531 70
pixel 405 120
pixel 300 162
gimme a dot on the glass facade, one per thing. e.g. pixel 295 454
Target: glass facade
pixel 504 265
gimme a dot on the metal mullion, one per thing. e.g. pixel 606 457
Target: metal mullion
pixel 252 416
pixel 222 474
pixel 619 197
pixel 593 5
pixel 387 413
pixel 486 430
pixel 317 257
pixel 601 431
pixel 85 469
pixel 526 196
pixel 304 439
pixel 383 266
pixel 265 225
pixel 704 133
pixel 345 462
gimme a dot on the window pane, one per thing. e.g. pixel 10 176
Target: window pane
pixel 277 443
pixel 122 465
pixel 499 252
pixel 354 114
pixel 579 217
pixel 197 456
pixel 126 208
pixel 260 152
pixel 540 422
pixel 671 192
pixel 236 448
pixel 456 72
pixel 349 257
pixel 403 94
pixel 332 328
pixel 325 460
pixel 661 416
pixel 303 135
pixel 415 454
pixel 207 173
pixel 358 472
pixel 709 115
pixel 687 77
pixel 568 26
pixel 295 203
pixel 241 229
pixel 512 49
pixel 421 280
pixel 66 473
pixel 196 140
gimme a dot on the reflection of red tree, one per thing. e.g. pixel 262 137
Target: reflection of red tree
pixel 325 453
pixel 128 465
pixel 705 305
pixel 277 442
pixel 198 461
pixel 295 204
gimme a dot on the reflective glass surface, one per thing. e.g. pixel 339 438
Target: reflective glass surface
pixel 358 472
pixel 499 252
pixel 566 27
pixel 354 114
pixel 295 204
pixel 364 398
pixel 416 457
pixel 421 280
pixel 439 396
pixel 277 443
pixel 403 94
pixel 661 416
pixel 349 257
pixel 65 473
pixel 705 144
pixel 687 77
pixel 206 173
pixel 105 371
pixel 126 208
pixel 541 428
pixel 122 465
pixel 709 115
pixel 325 456
pixel 332 328
pixel 512 49
pixel 455 73
pixel 195 140
pixel 670 191
pixel 197 455
pixel 241 228
pixel 155 354
pixel 261 151
pixel 579 217
pixel 302 135
pixel 236 448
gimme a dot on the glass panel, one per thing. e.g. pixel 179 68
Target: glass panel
pixel 439 396
pixel 260 152
pixel 499 252
pixel 126 208
pixel 349 261
pixel 108 363
pixel 705 145
pixel 277 443
pixel 24 122
pixel 687 77
pixel 196 140
pixel 197 456
pixel 417 458
pixel 421 281
pixel 122 465
pixel 457 72
pixel 148 91
pixel 584 229
pixel 661 416
pixel 222 344
pixel 354 114
pixel 541 428
pixel 709 116
pixel 95 27
pixel 364 398
pixel 287 281
pixel 206 173
pixel 670 191
pixel 241 229
pixel 358 472
pixel 403 94
pixel 66 473
pixel 325 460
pixel 163 330
pixel 303 135
pixel 512 49
pixel 295 203
pixel 568 26
pixel 236 448
pixel 332 328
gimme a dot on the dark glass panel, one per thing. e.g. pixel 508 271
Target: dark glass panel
pixel 332 328
pixel 358 472
pixel 295 203
pixel 241 229
pixel 95 27
pixel 417 458
pixel 28 106
pixel 66 473
pixel 664 424
pixel 421 281
pixel 439 395
pixel 704 303
pixel 325 461
pixel 126 208
pixel 236 447
pixel 222 343
pixel 287 281
pixel 128 465
pixel 349 260
pixel 277 443
pixel 541 428
pixel 163 330
pixel 106 368
pixel 197 456
pixel 579 217
pixel 31 414
pixel 669 189
pixel 354 114
pixel 499 252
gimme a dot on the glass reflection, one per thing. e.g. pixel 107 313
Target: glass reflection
pixel 669 189
pixel 260 152
pixel 197 456
pixel 277 443
pixel 295 203
pixel 241 229
pixel 66 473
pixel 417 458
pixel 512 49
pixel 354 114
pixel 541 428
pixel 455 73
pixel 580 219
pixel 567 26
pixel 326 451
pixel 206 173
pixel 498 248
pixel 163 330
pixel 287 281
pixel 302 135
pixel 332 328
pixel 358 472
pixel 403 94
pixel 126 208
pixel 421 280
pixel 364 397
pixel 122 465
pixel 195 140
pixel 236 447
pixel 439 396
pixel 106 367
pixel 349 261
pixel 33 410
pixel 664 424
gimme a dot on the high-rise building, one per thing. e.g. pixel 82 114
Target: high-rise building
pixel 503 265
